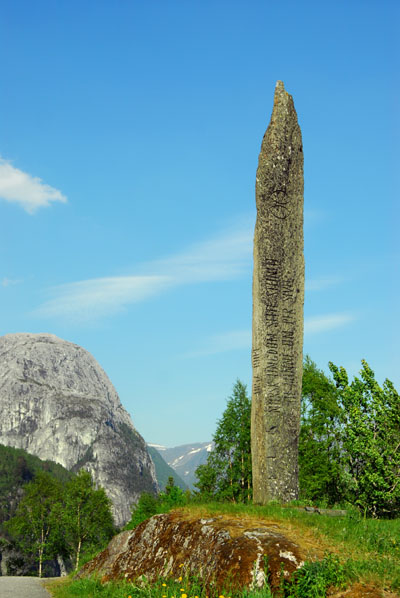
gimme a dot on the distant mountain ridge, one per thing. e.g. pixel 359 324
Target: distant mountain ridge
pixel 185 459
pixel 164 471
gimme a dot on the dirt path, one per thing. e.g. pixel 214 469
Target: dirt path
pixel 22 587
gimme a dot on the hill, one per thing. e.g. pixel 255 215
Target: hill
pixel 163 470
pixel 341 554
pixel 185 459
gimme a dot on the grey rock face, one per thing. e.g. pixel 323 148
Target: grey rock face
pixel 278 298
pixel 56 402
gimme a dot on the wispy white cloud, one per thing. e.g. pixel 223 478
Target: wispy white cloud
pixel 9 282
pixel 221 343
pixel 29 192
pixel 324 282
pixel 241 339
pixel 99 297
pixel 223 258
pixel 317 324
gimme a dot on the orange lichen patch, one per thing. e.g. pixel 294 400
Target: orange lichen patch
pixel 225 552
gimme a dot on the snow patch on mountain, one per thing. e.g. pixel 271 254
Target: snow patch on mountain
pixel 186 458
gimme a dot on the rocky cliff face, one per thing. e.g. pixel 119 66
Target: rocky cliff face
pixel 56 402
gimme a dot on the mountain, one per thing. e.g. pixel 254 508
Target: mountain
pixel 57 403
pixel 185 459
pixel 164 471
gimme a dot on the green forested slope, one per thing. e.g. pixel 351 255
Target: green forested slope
pixel 17 467
pixel 164 471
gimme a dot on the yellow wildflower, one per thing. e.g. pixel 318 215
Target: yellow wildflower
pixel 181 565
pixel 164 585
pixel 184 595
pixel 179 578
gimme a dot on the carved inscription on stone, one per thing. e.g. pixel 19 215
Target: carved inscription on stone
pixel 278 296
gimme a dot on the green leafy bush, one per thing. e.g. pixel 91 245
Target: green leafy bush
pixel 314 578
pixel 370 441
pixel 149 505
pixel 320 454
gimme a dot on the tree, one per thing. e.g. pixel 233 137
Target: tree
pixel 349 446
pixel 206 480
pixel 227 473
pixel 148 505
pixel 320 454
pixel 172 497
pixel 370 441
pixel 87 515
pixel 35 525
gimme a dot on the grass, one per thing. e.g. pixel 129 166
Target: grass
pixel 93 588
pixel 371 546
pixel 359 549
pixel 377 535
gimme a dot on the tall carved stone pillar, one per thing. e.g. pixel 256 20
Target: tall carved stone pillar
pixel 278 298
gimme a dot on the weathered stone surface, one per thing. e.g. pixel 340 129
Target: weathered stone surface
pixel 56 402
pixel 220 550
pixel 278 298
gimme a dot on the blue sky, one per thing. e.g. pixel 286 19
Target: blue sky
pixel 129 140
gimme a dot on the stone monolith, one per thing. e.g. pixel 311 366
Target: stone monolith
pixel 278 298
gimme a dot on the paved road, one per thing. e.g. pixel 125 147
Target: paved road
pixel 22 587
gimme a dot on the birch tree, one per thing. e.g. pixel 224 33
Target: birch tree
pixel 87 516
pixel 35 525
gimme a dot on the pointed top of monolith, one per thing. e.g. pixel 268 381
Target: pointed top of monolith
pixel 280 92
pixel 282 101
pixel 283 134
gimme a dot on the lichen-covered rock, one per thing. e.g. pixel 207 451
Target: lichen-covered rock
pixel 57 403
pixel 222 551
